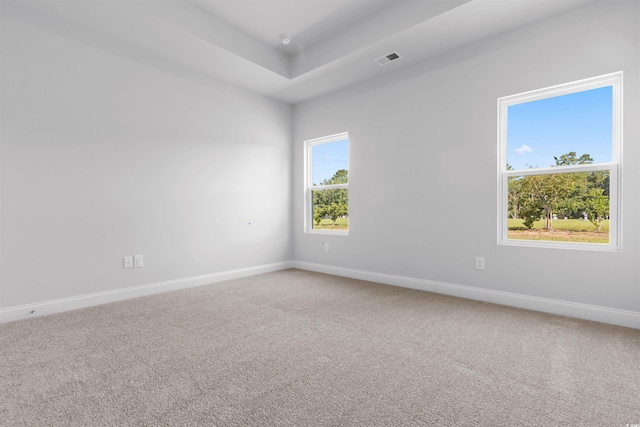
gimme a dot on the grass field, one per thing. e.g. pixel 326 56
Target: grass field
pixel 564 230
pixel 560 224
pixel 327 224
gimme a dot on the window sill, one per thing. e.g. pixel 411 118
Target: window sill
pixel 328 232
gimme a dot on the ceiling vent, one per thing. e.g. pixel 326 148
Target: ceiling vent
pixel 384 60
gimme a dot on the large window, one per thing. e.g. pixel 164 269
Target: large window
pixel 327 185
pixel 559 164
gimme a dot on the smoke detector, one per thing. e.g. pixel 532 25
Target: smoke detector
pixel 285 38
pixel 384 60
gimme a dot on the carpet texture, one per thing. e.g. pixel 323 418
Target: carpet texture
pixel 296 348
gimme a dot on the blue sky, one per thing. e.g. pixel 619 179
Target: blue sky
pixel 580 122
pixel 329 158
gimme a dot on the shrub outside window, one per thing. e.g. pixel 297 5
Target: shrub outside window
pixel 327 185
pixel 559 166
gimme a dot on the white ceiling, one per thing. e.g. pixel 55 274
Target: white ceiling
pixel 335 42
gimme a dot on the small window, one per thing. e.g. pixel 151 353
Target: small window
pixel 560 165
pixel 327 185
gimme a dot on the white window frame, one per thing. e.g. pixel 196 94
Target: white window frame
pixel 309 187
pixel 614 167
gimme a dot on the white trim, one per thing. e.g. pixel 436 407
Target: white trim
pixel 328 232
pixel 331 138
pixel 611 79
pixel 614 167
pixel 81 301
pixel 630 319
pixel 308 182
pixel 329 187
pixel 561 169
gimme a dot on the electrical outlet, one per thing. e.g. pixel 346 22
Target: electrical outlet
pixel 479 263
pixel 128 262
pixel 137 261
pixel 326 247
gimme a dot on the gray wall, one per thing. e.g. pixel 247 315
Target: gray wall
pixel 102 157
pixel 423 163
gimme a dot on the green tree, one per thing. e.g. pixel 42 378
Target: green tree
pixel 340 177
pixel 331 203
pixel 596 206
pixel 572 194
pixel 542 196
pixel 573 205
pixel 514 195
pixel 531 208
pixel 555 189
pixel 571 159
pixel 530 211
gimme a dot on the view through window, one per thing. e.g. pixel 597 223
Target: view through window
pixel 559 165
pixel 327 186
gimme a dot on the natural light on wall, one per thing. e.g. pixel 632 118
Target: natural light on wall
pixel 559 166
pixel 327 185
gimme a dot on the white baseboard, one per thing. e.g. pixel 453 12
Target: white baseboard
pixel 613 316
pixel 630 319
pixel 81 301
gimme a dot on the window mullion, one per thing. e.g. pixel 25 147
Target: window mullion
pixel 561 169
pixel 328 187
pixel 581 191
pixel 331 200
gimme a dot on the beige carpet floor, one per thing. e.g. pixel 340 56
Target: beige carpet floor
pixel 296 348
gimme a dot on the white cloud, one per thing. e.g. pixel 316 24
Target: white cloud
pixel 524 149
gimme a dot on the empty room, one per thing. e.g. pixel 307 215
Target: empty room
pixel 319 212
